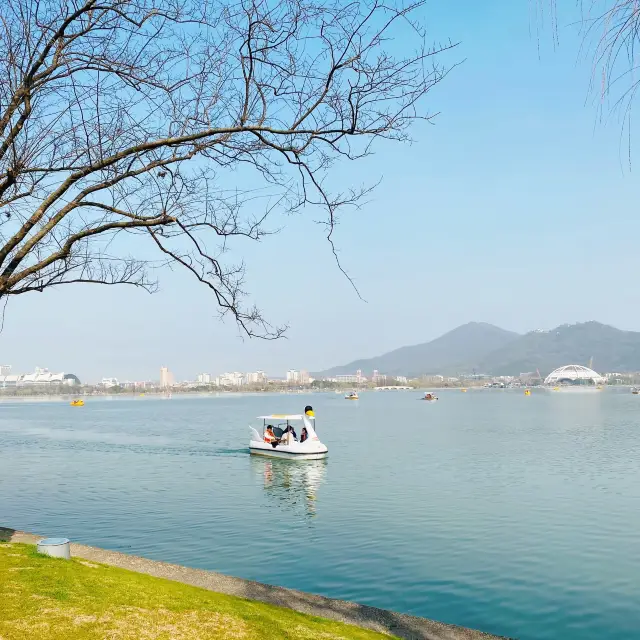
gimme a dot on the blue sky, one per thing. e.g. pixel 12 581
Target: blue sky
pixel 517 208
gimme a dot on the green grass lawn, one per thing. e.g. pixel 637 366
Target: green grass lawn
pixel 43 598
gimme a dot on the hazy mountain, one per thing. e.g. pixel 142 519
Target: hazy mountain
pixel 610 348
pixel 484 348
pixel 455 352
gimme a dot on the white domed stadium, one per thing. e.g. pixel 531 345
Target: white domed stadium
pixel 574 374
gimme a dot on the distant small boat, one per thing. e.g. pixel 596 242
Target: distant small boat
pixel 527 392
pixel 429 397
pixel 77 403
pixel 351 396
pixel 635 391
pixel 463 390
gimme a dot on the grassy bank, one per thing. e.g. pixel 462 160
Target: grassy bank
pixel 50 599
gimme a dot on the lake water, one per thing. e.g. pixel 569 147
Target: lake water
pixel 516 515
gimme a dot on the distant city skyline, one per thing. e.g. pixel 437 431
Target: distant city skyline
pixel 233 376
pixel 578 338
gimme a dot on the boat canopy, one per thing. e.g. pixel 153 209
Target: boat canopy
pixel 307 421
pixel 284 416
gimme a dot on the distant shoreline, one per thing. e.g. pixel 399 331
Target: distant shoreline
pixel 64 397
pixel 67 395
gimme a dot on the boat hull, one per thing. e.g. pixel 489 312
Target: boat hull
pixel 297 451
pixel 274 453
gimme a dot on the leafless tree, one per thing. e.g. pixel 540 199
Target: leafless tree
pixel 130 119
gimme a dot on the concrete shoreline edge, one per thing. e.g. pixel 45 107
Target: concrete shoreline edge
pixel 381 620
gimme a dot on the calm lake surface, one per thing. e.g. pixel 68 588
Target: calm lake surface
pixel 516 515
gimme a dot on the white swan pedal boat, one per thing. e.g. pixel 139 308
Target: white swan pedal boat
pixel 281 442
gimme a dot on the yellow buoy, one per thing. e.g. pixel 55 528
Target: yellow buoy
pixel 527 392
pixel 463 390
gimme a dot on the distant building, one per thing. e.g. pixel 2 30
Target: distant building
pixel 255 377
pixel 357 378
pixel 401 379
pixel 204 378
pixel 234 379
pixel 623 378
pixel 529 378
pixel 136 384
pixel 108 383
pixel 298 377
pixel 574 374
pixel 40 377
pixel 166 377
pixel 9 381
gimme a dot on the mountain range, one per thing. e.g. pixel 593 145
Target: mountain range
pixel 484 348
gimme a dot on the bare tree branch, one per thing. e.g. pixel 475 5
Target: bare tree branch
pixel 132 128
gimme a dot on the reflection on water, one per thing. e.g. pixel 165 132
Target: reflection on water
pixel 292 484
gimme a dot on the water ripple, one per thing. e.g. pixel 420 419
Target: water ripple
pixel 515 516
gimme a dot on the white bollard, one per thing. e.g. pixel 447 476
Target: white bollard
pixel 55 547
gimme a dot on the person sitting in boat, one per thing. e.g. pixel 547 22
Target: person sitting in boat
pixel 308 411
pixel 269 436
pixel 288 435
pixel 304 434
